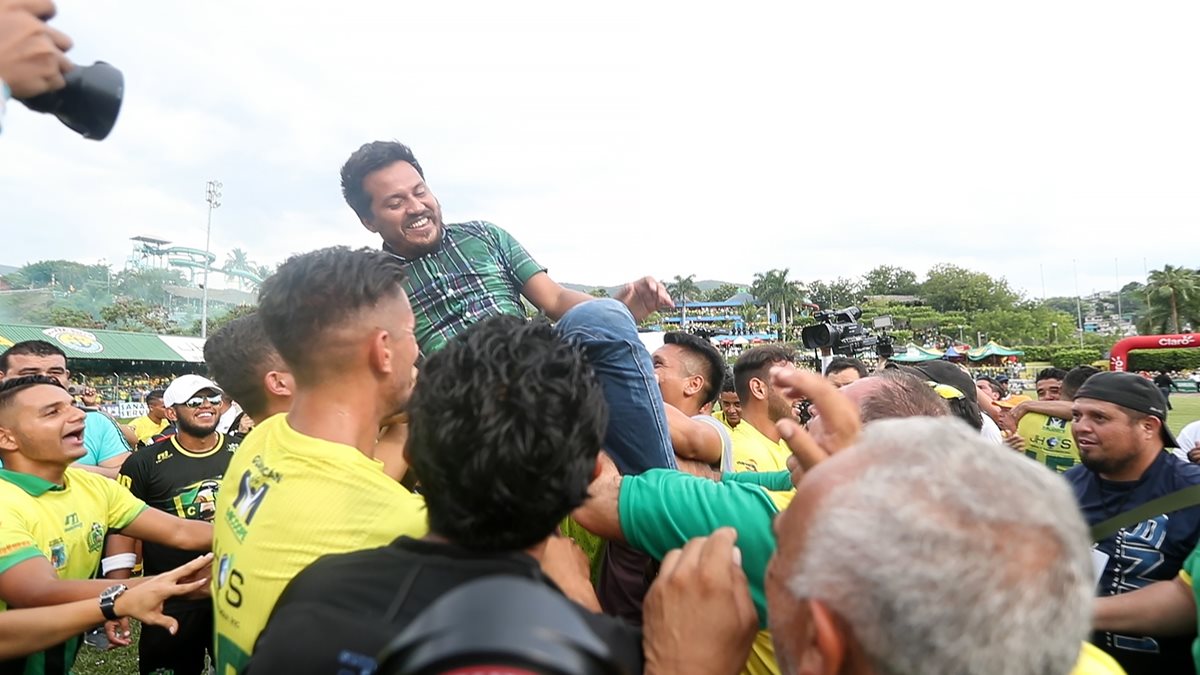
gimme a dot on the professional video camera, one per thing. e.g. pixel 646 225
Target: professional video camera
pixel 842 334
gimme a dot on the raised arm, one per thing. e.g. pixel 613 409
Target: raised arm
pixel 163 528
pixel 549 296
pixel 692 439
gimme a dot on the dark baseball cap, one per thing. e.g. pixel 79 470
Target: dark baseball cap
pixel 1129 391
pixel 944 372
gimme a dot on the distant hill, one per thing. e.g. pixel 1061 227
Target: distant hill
pixel 704 285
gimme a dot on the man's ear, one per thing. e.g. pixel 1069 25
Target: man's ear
pixel 758 388
pixel 279 383
pixel 829 642
pixel 693 385
pixel 380 353
pixel 8 440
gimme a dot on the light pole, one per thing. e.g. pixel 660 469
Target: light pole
pixel 960 334
pixel 1054 325
pixel 213 197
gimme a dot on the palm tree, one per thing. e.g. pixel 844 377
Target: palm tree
pixel 683 289
pixel 749 313
pixel 238 261
pixel 1175 290
pixel 774 288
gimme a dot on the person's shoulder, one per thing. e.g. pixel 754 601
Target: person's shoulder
pixel 1079 475
pixel 1183 473
pixel 337 570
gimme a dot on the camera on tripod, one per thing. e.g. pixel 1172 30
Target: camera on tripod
pixel 841 332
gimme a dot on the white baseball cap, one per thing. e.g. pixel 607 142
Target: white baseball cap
pixel 185 387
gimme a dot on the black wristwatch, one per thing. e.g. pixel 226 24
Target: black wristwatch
pixel 108 599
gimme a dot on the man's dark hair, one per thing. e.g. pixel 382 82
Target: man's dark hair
pixel 993 384
pixel 315 294
pixel 839 363
pixel 1074 379
pixel 507 421
pixel 1051 374
pixel 157 394
pixel 30 348
pixel 715 363
pixel 727 383
pixel 10 388
pixel 238 357
pixel 901 394
pixel 366 160
pixel 757 362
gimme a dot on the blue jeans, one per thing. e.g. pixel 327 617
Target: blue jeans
pixel 637 438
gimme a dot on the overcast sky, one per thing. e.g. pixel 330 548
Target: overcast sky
pixel 621 139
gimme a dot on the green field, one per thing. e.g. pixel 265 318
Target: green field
pixel 1186 409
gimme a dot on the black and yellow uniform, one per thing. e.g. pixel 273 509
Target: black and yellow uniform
pixel 183 483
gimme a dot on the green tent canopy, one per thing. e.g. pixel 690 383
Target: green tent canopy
pixel 915 354
pixel 992 349
pixel 107 345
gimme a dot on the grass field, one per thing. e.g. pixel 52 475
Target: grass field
pixel 124 661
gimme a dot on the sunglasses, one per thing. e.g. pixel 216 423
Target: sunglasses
pixel 197 401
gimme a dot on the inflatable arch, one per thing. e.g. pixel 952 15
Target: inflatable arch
pixel 1119 359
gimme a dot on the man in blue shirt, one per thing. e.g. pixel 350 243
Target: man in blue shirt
pixel 1119 425
pixel 104 445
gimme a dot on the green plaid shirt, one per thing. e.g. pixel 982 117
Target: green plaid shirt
pixel 477 272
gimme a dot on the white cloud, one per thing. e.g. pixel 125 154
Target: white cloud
pixel 635 138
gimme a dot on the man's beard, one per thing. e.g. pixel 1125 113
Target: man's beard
pixel 193 429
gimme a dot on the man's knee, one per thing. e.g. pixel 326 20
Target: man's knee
pixel 603 313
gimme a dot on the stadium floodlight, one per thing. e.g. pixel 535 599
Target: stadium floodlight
pixel 213 197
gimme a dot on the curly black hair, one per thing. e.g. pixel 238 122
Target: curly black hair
pixel 313 295
pixel 369 158
pixel 507 421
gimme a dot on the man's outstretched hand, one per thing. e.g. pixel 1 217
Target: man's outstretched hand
pixel 644 297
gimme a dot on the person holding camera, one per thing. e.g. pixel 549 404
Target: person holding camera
pixel 33 58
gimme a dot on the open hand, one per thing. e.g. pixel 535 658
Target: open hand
pixel 644 297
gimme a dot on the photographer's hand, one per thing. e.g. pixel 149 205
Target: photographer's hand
pixel 32 54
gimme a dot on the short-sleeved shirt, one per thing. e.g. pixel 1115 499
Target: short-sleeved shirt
pixel 337 615
pixel 1048 440
pixel 145 428
pixel 1189 437
pixel 726 440
pixel 1137 556
pixel 661 510
pixel 478 271
pixel 64 524
pixel 101 439
pixel 286 500
pixel 752 451
pixel 171 478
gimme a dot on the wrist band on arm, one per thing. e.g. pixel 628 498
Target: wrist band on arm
pixel 119 561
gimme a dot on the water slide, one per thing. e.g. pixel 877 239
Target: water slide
pixel 194 259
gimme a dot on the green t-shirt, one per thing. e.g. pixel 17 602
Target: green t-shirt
pixel 1191 568
pixel 477 272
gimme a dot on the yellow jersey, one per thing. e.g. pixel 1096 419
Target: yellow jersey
pixel 145 428
pixel 753 451
pixel 1094 661
pixel 286 500
pixel 66 525
pixel 1048 440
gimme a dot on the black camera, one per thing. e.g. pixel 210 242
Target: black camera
pixel 89 103
pixel 841 333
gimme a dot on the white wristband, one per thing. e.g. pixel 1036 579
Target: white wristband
pixel 120 561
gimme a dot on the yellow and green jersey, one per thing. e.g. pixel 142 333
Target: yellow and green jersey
pixel 286 500
pixel 1048 440
pixel 752 451
pixel 145 428
pixel 66 525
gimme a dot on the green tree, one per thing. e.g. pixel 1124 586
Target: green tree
pixel 836 294
pixel 237 264
pixel 774 288
pixel 950 287
pixel 136 315
pixel 598 292
pixel 722 293
pixel 683 290
pixel 749 313
pixel 64 275
pixel 69 317
pixel 217 323
pixel 1174 294
pixel 147 284
pixel 890 280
